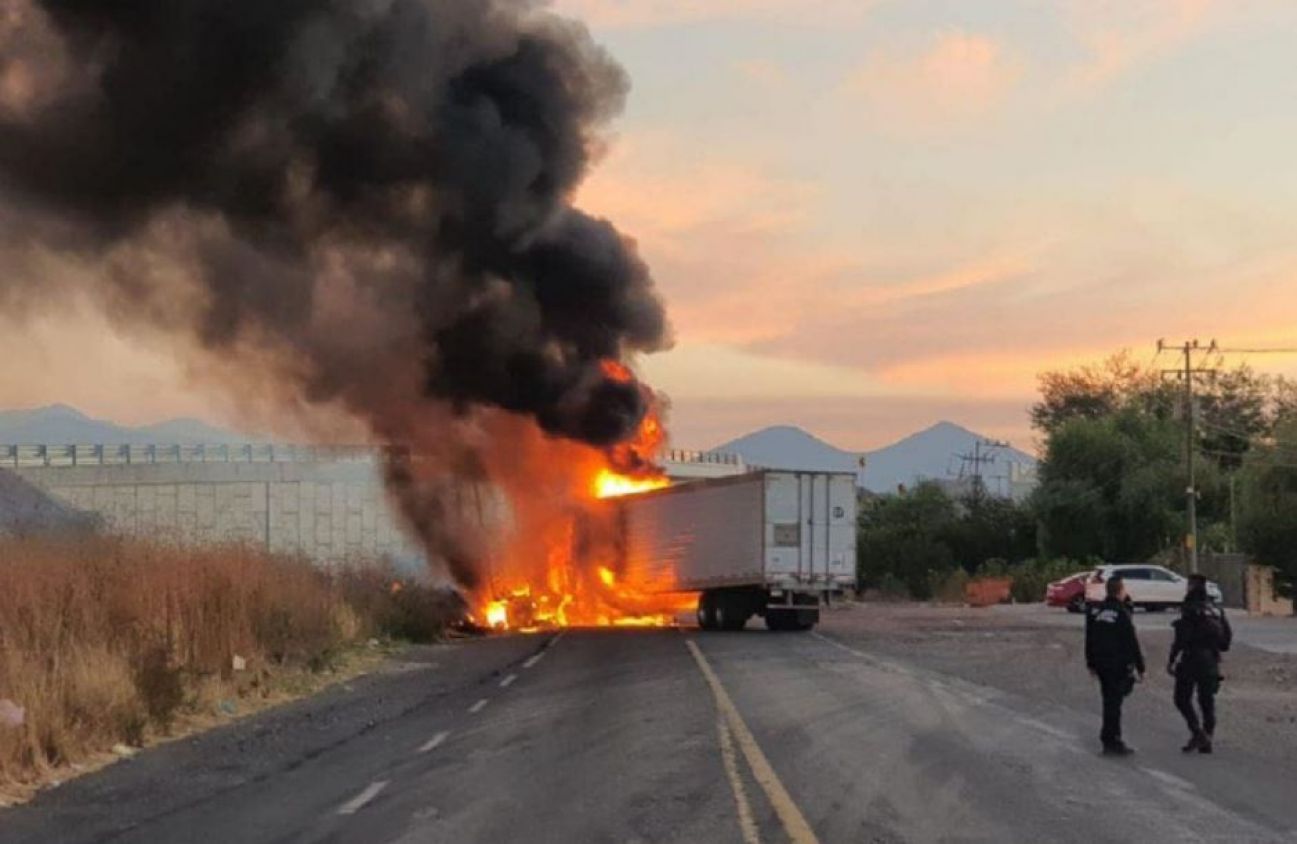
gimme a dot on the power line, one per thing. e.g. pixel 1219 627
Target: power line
pixel 1268 463
pixel 1273 351
pixel 1251 439
pixel 977 459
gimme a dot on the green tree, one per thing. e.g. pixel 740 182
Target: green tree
pixel 1113 477
pixel 1110 487
pixel 920 536
pixel 1098 392
pixel 1234 410
pixel 900 537
pixel 990 528
pixel 1268 507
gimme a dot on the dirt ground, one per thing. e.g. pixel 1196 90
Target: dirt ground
pixel 1024 654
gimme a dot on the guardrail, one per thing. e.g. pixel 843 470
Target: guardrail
pixel 676 455
pixel 20 456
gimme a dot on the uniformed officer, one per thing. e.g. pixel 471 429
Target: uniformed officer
pixel 1201 633
pixel 1113 656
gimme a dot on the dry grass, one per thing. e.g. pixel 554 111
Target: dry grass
pixel 108 641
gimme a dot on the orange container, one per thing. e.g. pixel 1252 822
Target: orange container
pixel 986 591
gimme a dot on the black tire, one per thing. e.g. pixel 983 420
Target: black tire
pixel 776 621
pixel 729 615
pixel 1077 604
pixel 707 611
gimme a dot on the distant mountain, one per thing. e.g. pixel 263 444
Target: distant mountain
pixel 60 424
pixel 926 455
pixel 789 447
pixel 931 455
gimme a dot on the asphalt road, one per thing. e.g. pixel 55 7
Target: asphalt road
pixel 1266 633
pixel 663 735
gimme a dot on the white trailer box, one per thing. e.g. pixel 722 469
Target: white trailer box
pixel 769 543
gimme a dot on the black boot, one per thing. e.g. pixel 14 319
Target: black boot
pixel 1195 742
pixel 1204 744
pixel 1119 748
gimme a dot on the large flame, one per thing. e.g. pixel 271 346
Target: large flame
pixel 561 568
pixel 609 484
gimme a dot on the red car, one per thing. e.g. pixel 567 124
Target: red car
pixel 1068 592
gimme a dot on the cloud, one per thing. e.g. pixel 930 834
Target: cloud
pixel 722 232
pixel 646 14
pixel 1118 35
pixel 953 76
pixel 769 76
pixel 713 371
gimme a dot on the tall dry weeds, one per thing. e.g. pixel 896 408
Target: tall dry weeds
pixel 103 641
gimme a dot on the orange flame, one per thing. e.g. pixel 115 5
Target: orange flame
pixel 566 571
pixel 609 484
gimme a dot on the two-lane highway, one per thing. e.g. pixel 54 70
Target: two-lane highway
pixel 659 735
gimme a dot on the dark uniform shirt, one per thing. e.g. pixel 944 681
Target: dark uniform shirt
pixel 1110 642
pixel 1201 632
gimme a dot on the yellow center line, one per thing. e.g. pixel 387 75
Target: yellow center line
pixel 798 830
pixel 747 825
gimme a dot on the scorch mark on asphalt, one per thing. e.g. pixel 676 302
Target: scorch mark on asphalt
pixel 358 802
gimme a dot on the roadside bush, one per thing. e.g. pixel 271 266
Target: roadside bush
pixel 892 588
pixel 1031 578
pixel 106 641
pixel 994 568
pixel 949 587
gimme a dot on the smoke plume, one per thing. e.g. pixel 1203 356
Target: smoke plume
pixel 367 201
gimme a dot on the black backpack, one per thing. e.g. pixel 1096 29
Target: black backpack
pixel 1208 630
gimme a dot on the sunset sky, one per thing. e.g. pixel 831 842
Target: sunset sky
pixel 869 216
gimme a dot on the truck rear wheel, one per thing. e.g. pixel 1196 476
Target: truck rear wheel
pixel 730 613
pixel 707 611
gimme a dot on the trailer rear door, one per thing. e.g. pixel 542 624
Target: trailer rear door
pixel 810 528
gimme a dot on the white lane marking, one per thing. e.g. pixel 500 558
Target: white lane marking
pixel 433 742
pixel 508 681
pixel 358 802
pixel 1170 779
pixel 477 707
pixel 537 657
pixel 795 825
pixel 747 826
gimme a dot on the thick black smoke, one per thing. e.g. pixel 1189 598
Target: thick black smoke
pixel 377 191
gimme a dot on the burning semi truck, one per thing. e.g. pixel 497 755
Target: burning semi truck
pixel 773 544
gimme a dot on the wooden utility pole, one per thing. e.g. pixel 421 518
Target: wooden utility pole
pixel 1187 373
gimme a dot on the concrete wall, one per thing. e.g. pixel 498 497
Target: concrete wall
pixel 327 511
pixel 1261 597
